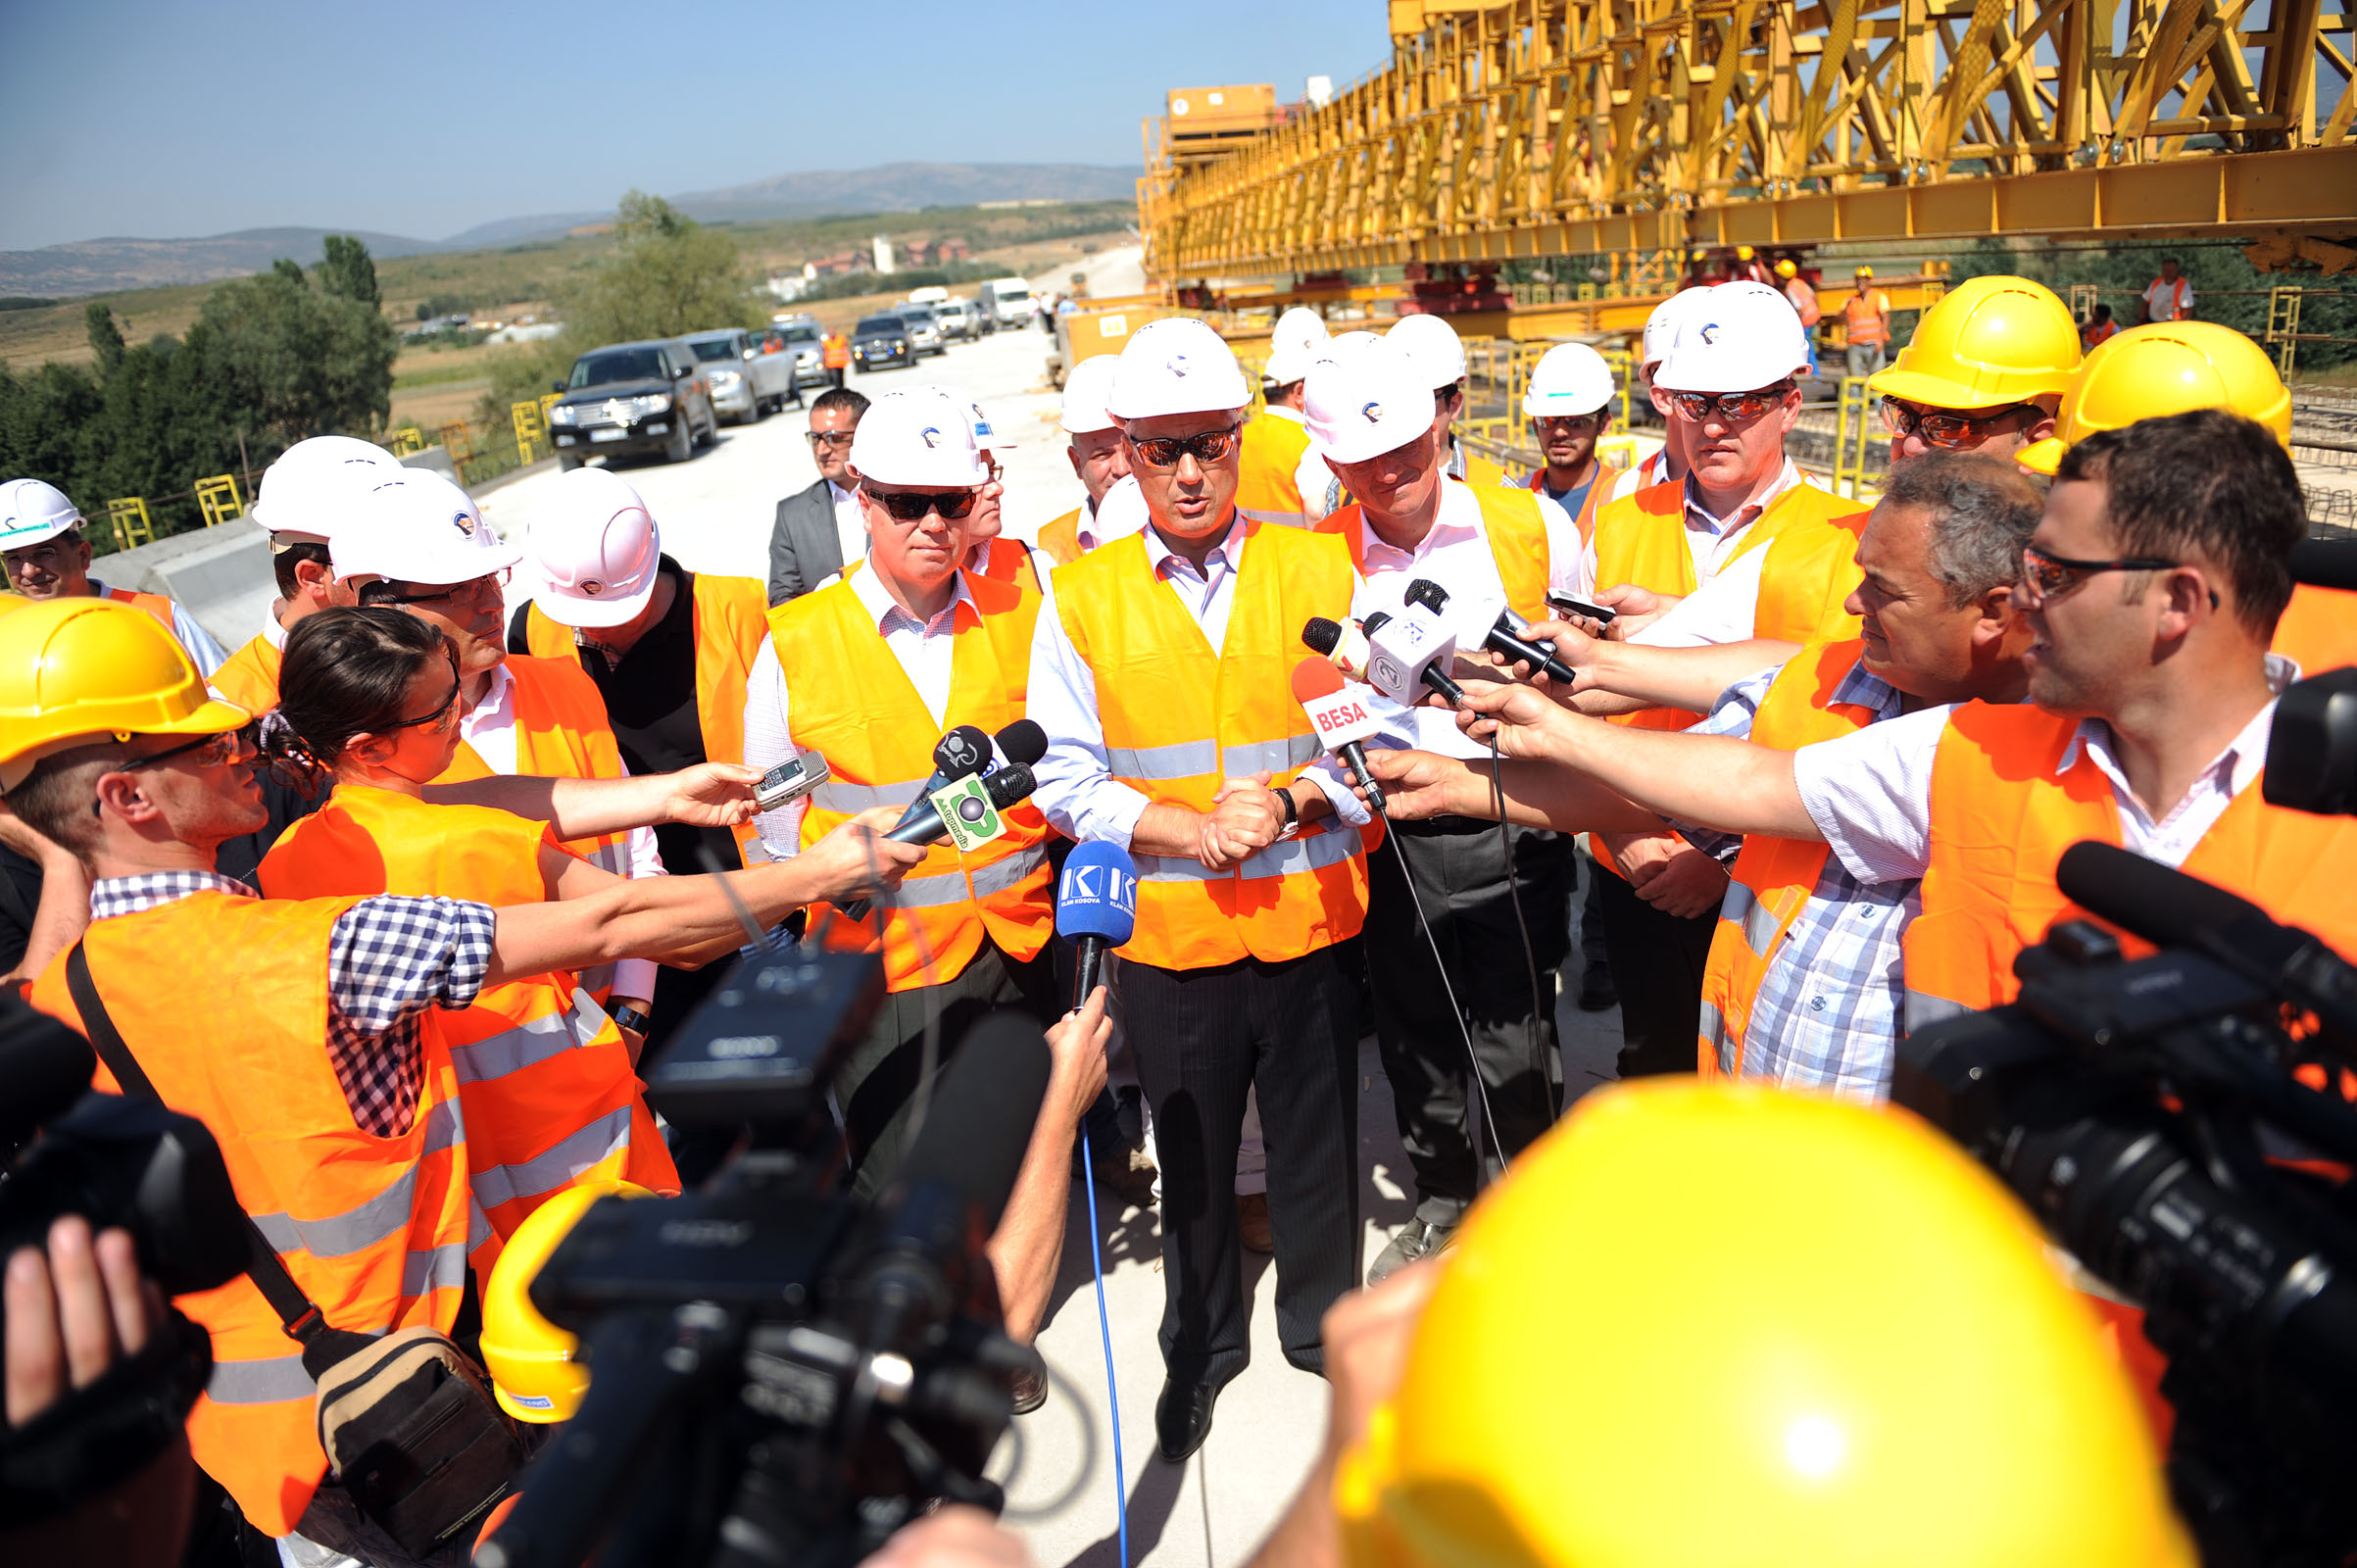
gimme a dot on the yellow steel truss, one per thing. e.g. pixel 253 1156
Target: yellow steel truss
pixel 1530 127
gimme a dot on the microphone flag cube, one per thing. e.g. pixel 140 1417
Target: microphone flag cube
pixel 967 813
pixel 1402 649
pixel 1098 894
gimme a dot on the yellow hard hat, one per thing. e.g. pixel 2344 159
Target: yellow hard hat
pixel 1865 272
pixel 1742 253
pixel 1785 269
pixel 2159 368
pixel 533 1373
pixel 1725 1323
pixel 1699 254
pixel 1990 340
pixel 78 670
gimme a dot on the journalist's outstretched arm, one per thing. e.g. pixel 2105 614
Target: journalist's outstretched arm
pixel 1028 1247
pixel 708 794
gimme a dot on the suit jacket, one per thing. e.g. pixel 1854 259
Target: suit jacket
pixel 804 547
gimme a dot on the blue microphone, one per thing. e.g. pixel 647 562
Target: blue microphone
pixel 1096 908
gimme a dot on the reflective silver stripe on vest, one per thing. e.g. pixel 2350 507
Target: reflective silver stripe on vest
pixel 271 1382
pixel 1923 1010
pixel 1268 757
pixel 1714 1029
pixel 599 978
pixel 754 852
pixel 380 1219
pixel 850 800
pixel 478 1224
pixel 1281 519
pixel 1310 853
pixel 529 1043
pixel 614 857
pixel 545 1173
pixel 948 887
pixel 1185 759
pixel 1742 906
pixel 440 1268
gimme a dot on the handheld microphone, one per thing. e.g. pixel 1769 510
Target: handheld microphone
pixel 1096 908
pixel 1343 643
pixel 961 754
pixel 1006 786
pixel 1022 741
pixel 1340 718
pixel 1406 652
pixel 1505 639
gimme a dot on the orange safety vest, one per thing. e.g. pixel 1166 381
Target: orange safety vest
pixel 155 605
pixel 544 1077
pixel 2317 629
pixel 2101 333
pixel 834 350
pixel 1773 877
pixel 223 1002
pixel 1009 561
pixel 852 703
pixel 1804 301
pixel 1180 716
pixel 2175 296
pixel 1061 538
pixel 1866 318
pixel 2001 817
pixel 1510 521
pixel 1271 450
pixel 249 677
pixel 1598 489
pixel 731 617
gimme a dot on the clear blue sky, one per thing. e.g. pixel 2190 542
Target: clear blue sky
pixel 425 119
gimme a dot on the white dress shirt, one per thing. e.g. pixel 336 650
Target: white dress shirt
pixel 1120 514
pixel 1076 787
pixel 925 651
pixel 851 529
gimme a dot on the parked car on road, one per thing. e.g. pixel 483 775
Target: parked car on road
pixel 747 383
pixel 630 398
pixel 803 340
pixel 881 342
pixel 957 320
pixel 924 332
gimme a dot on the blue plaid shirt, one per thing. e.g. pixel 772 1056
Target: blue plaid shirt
pixel 1828 1009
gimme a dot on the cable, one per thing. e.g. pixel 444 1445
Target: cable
pixel 1022 1452
pixel 1473 1060
pixel 1530 956
pixel 1105 1333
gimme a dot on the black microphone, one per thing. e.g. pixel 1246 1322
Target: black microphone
pixel 1431 595
pixel 2325 563
pixel 961 754
pixel 924 825
pixel 2171 910
pixel 978 1127
pixel 1022 741
pixel 1503 639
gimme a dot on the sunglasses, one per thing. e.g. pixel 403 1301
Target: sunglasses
pixel 1164 451
pixel 212 751
pixel 383 593
pixel 440 713
pixel 827 438
pixel 2050 577
pixel 911 506
pixel 1566 424
pixel 1943 429
pixel 1734 407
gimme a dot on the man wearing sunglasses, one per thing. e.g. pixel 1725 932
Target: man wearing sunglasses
pixel 819 530
pixel 1162 677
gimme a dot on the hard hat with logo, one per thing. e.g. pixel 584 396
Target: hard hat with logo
pixel 1291 344
pixel 1368 403
pixel 1736 338
pixel 417 526
pixel 1989 341
pixel 307 489
pixel 34 512
pixel 1174 365
pixel 533 1373
pixel 1431 346
pixel 74 671
pixel 920 435
pixel 1786 269
pixel 1661 328
pixel 988 437
pixel 593 553
pixel 1570 378
pixel 2159 368
pixel 1864 1358
pixel 1086 389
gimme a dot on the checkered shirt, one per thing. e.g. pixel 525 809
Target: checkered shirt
pixel 389 958
pixel 1829 1008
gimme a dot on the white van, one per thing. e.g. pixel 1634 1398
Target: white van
pixel 927 296
pixel 1010 298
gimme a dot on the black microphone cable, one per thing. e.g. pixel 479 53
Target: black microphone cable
pixel 1530 955
pixel 1480 1086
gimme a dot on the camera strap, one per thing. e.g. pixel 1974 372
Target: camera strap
pixel 296 1314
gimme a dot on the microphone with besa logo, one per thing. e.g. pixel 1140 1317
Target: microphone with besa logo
pixel 1340 718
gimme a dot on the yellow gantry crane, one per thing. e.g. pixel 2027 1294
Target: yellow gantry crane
pixel 1544 128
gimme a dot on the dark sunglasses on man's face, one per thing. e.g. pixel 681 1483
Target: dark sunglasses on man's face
pixel 222 746
pixel 1732 406
pixel 383 592
pixel 911 506
pixel 1164 451
pixel 827 438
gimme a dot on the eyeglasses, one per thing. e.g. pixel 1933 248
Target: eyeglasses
pixel 380 593
pixel 827 438
pixel 1567 423
pixel 2049 578
pixel 911 506
pixel 1946 430
pixel 1734 407
pixel 1164 451
pixel 442 713
pixel 212 751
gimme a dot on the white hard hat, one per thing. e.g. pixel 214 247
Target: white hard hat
pixel 1086 390
pixel 305 491
pixel 921 435
pixel 1342 347
pixel 34 512
pixel 1371 402
pixel 1569 378
pixel 1438 353
pixel 417 526
pixel 1292 344
pixel 988 436
pixel 1742 336
pixel 1176 365
pixel 594 553
pixel 1661 328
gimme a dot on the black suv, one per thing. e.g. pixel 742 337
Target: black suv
pixel 882 340
pixel 633 398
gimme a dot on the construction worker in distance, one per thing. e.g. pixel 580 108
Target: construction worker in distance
pixel 1162 677
pixel 834 356
pixel 299 501
pixel 1492 548
pixel 1668 461
pixel 1749 269
pixel 1434 347
pixel 47 557
pixel 284 1028
pixel 2168 297
pixel 1473 1418
pixel 1865 325
pixel 2100 328
pixel 1804 295
pixel 1099 462
pixel 415 541
pixel 1569 404
pixel 1275 442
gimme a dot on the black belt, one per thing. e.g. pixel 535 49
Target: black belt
pixel 1444 827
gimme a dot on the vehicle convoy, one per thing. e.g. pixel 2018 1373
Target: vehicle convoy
pixel 985 317
pixel 748 381
pixel 1008 300
pixel 803 340
pixel 881 342
pixel 924 332
pixel 631 398
pixel 957 319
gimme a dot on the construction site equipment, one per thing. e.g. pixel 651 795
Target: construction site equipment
pixel 1103 329
pixel 218 500
pixel 1851 432
pixel 528 420
pixel 129 516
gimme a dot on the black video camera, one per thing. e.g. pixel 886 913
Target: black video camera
pixel 780 1373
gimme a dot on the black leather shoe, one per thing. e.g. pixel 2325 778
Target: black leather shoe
pixel 1030 1392
pixel 1596 990
pixel 1182 1417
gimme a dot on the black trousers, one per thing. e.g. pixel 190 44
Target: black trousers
pixel 1460 871
pixel 1202 1038
pixel 1658 962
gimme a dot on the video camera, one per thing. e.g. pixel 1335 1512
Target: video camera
pixel 780 1373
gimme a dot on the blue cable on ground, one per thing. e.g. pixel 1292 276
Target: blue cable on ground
pixel 1104 1330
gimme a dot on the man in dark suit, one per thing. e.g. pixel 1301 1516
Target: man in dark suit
pixel 819 532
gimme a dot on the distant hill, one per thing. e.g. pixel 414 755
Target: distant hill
pixel 103 266
pixel 905 187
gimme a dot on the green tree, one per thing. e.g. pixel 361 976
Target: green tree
pixel 349 271
pixel 667 274
pixel 106 338
pixel 289 361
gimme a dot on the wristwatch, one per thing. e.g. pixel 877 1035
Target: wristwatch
pixel 635 1019
pixel 1293 815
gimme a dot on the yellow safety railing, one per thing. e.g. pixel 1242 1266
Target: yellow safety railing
pixel 530 426
pixel 131 523
pixel 1850 452
pixel 407 441
pixel 218 500
pixel 2284 325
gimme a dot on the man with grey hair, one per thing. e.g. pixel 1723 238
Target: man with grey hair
pixel 1803 985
